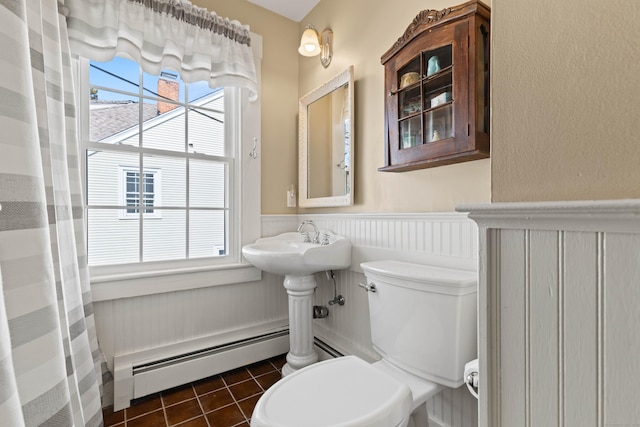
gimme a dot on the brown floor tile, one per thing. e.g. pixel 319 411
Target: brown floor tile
pixel 261 368
pixel 178 394
pixel 215 400
pixel 196 422
pixel 245 389
pixel 152 419
pixel 227 400
pixel 279 361
pixel 143 405
pixel 226 417
pixel 247 405
pixel 269 379
pixel 183 411
pixel 208 385
pixel 236 376
pixel 112 418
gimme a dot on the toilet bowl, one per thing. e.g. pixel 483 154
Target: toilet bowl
pixel 423 325
pixel 357 393
pixel 360 395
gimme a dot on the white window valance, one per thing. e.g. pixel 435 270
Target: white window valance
pixel 164 34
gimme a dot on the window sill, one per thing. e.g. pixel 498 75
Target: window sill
pixel 135 284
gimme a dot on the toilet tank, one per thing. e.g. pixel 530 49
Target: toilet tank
pixel 423 318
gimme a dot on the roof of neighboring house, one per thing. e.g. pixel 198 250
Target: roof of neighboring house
pixel 108 118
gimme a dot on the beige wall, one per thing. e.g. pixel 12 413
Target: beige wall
pixel 363 31
pixel 565 99
pixel 565 92
pixel 279 100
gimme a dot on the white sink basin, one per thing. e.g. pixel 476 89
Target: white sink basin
pixel 288 255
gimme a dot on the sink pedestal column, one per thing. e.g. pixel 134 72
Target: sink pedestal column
pixel 301 352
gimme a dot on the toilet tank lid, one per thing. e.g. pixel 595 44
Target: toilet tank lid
pixel 406 273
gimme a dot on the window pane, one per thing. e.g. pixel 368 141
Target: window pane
pixel 206 130
pixel 165 237
pixel 112 240
pixel 120 73
pixel 207 183
pixel 198 90
pixel 132 196
pixel 115 118
pixel 206 234
pixel 169 181
pixel 165 131
pixel 149 190
pixel 105 176
pixel 168 85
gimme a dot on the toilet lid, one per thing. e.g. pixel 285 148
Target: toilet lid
pixel 343 392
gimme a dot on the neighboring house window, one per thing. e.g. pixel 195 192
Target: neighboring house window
pixel 164 155
pixel 133 189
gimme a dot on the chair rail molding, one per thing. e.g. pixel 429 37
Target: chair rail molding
pixel 558 297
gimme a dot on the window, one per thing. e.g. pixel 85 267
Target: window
pixel 131 193
pixel 163 176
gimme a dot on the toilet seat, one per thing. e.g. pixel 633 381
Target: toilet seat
pixel 342 392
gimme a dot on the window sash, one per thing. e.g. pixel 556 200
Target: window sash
pixel 229 159
pixel 135 280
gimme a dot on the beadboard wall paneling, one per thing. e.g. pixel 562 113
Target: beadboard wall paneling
pixel 560 285
pixel 444 239
pixel 447 239
pixel 130 325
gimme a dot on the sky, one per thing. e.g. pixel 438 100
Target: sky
pixel 129 79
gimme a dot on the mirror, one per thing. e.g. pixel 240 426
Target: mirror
pixel 325 144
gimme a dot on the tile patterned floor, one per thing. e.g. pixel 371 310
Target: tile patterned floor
pixel 225 400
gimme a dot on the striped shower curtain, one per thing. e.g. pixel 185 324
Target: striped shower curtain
pixel 50 363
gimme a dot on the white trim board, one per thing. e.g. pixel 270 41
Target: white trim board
pixel 603 215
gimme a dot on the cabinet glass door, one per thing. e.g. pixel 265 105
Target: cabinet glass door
pixel 437 88
pixel 425 98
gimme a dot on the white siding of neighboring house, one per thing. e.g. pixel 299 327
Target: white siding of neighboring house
pixel 113 239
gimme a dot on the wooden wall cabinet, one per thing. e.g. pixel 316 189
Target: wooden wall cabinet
pixel 437 90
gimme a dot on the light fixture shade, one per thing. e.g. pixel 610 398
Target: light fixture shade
pixel 309 43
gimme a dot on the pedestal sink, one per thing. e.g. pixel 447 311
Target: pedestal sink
pixel 289 255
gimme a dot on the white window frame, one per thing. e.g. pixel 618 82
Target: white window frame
pixel 122 192
pixel 147 278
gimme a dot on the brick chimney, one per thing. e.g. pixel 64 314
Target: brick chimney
pixel 167 89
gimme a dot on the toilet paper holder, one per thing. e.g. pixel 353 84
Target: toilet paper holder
pixel 471 377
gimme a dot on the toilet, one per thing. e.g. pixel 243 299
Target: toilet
pixel 423 325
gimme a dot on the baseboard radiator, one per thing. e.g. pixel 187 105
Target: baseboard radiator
pixel 150 371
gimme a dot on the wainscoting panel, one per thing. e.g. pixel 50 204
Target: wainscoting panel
pixel 560 284
pixel 132 325
pixel 150 324
pixel 581 272
pixel 443 239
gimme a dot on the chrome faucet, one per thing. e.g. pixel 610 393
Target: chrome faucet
pixel 305 234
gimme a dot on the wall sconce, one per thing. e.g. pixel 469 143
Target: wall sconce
pixel 312 44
